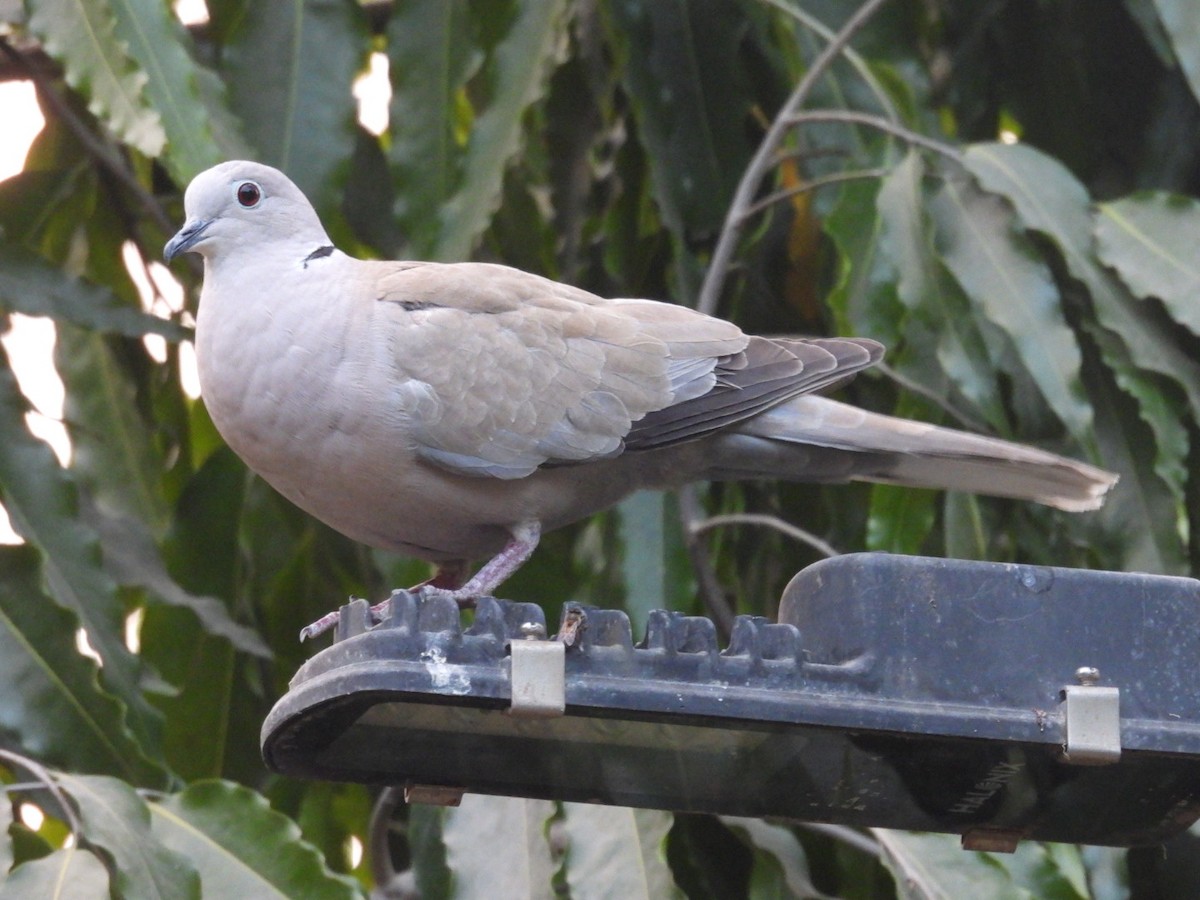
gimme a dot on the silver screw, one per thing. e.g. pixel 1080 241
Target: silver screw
pixel 533 631
pixel 1088 675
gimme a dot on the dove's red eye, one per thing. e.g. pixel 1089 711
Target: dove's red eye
pixel 248 194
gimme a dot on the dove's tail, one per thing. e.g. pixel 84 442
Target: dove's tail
pixel 813 438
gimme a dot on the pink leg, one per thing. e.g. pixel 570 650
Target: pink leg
pixel 448 580
pixel 524 541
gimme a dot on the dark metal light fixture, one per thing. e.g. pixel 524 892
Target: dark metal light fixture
pixel 1000 702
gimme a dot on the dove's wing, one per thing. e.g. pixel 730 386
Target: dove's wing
pixel 505 372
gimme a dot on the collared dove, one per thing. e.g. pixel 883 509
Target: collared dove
pixel 454 411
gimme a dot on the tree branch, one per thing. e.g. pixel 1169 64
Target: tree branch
pixel 764 157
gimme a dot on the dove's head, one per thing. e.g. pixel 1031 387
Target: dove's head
pixel 239 204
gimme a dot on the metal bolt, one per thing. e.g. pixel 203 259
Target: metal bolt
pixel 1087 675
pixel 533 631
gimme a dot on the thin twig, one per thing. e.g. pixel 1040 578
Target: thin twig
pixel 764 157
pixel 42 774
pixel 836 178
pixel 879 123
pixel 799 534
pixel 97 148
pixel 860 65
pixel 710 588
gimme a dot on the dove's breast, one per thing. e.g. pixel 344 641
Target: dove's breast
pixel 303 384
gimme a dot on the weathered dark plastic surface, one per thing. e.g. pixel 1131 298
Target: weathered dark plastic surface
pixel 898 691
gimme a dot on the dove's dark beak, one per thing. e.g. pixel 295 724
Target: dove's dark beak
pixel 185 238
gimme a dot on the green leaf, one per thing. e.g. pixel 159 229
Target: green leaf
pixel 923 286
pixel 59 713
pixel 133 560
pixel 68 874
pixel 243 848
pixel 1143 511
pixel 113 449
pixel 155 38
pixel 290 68
pixel 1150 239
pixel 1049 200
pixel 1007 280
pixel 116 821
pixel 614 851
pixel 783 848
pixel 900 518
pixel 483 830
pixel 640 518
pixel 516 73
pixel 863 299
pixel 935 867
pixel 681 72
pixel 430 58
pixel 1182 25
pixel 30 285
pixel 42 503
pixel 81 35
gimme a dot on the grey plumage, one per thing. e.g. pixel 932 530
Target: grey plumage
pixel 452 411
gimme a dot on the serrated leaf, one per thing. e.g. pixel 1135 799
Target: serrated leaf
pixel 56 708
pixel 614 851
pixel 41 501
pixel 517 70
pixel 116 821
pixel 243 848
pixel 1048 199
pixel 30 285
pixel 133 560
pixel 1144 510
pixel 923 286
pixel 1150 239
pixel 1008 281
pixel 483 830
pixel 1182 25
pixel 68 874
pixel 155 38
pixel 290 68
pixel 81 35
pixel 681 72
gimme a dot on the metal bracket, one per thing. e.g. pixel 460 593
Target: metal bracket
pixel 1092 716
pixel 538 678
pixel 433 794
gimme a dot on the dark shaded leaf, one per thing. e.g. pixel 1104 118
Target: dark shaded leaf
pixel 290 69
pixel 1178 18
pixel 56 708
pixel 42 503
pixel 680 68
pixel 30 285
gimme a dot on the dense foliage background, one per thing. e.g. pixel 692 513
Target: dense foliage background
pixel 997 190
